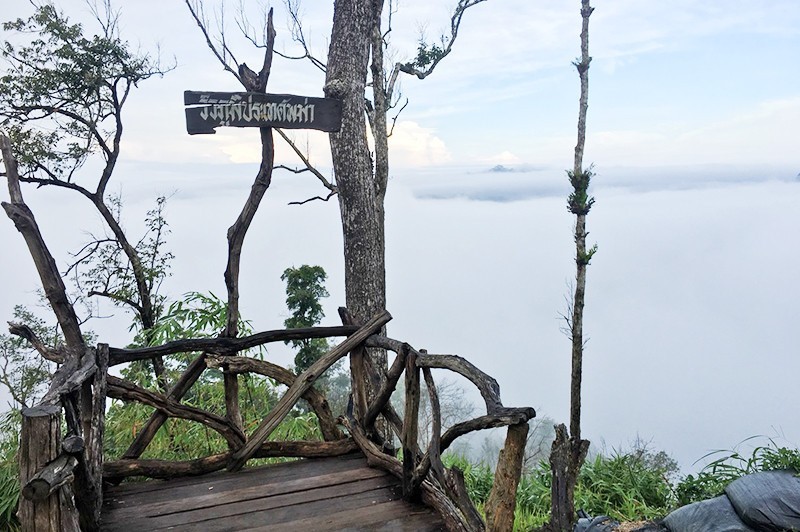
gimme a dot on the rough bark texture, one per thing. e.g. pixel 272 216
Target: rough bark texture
pixel 54 475
pixel 502 499
pixel 39 444
pixel 410 427
pixel 164 469
pixel 222 346
pixel 360 200
pixel 52 284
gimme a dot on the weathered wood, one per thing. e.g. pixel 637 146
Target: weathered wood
pixel 73 444
pixel 70 521
pixel 457 492
pixel 290 500
pixel 385 393
pixel 304 495
pixel 304 381
pixel 127 391
pixel 377 380
pixel 165 469
pixel 487 385
pixel 157 419
pixel 451 480
pixel 431 496
pixel 358 372
pixel 505 417
pixel 150 492
pixel 411 427
pixel 25 222
pixel 95 434
pixel 69 378
pixel 502 499
pixel 566 457
pixel 490 390
pixel 50 478
pixel 222 346
pixel 252 109
pixel 39 445
pixel 317 401
pixel 56 355
pixel 434 447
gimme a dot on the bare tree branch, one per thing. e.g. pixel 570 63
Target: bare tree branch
pixel 196 10
pixel 394 119
pixel 315 198
pixel 293 8
pixel 23 331
pixel 306 161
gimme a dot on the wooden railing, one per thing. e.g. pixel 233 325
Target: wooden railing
pixel 55 471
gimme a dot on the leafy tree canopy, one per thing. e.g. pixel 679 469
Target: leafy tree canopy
pixel 62 93
pixel 304 289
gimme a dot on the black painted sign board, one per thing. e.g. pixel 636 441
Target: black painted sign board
pixel 210 110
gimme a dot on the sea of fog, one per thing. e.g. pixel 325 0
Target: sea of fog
pixel 691 312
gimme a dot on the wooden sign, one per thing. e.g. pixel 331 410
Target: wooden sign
pixel 210 110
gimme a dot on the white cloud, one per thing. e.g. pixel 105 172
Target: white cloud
pixel 505 157
pixel 414 145
pixel 763 134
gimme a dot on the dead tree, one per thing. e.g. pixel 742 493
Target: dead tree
pixel 569 450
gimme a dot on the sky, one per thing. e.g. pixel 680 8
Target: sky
pixel 692 130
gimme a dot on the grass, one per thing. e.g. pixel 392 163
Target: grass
pixel 627 486
pixel 623 486
pixel 732 464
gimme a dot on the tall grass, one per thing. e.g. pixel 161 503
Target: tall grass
pixel 732 464
pixel 624 486
pixel 9 471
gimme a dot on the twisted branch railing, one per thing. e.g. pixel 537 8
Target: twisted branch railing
pixel 59 471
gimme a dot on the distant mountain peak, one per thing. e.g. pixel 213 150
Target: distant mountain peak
pixel 501 168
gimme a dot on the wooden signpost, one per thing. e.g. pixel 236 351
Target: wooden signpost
pixel 209 110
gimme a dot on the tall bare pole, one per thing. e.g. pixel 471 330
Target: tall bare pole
pixel 569 450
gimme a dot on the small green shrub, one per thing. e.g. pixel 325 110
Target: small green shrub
pixel 732 464
pixel 623 486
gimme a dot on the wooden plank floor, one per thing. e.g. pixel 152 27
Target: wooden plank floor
pixel 308 495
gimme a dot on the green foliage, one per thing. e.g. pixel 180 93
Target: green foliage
pixel 427 54
pixel 62 91
pixel 732 464
pixel 184 440
pixel 304 289
pixel 9 470
pixel 579 201
pixel 625 486
pixel 196 315
pixel 103 268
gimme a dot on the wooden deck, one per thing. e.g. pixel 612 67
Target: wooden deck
pixel 312 495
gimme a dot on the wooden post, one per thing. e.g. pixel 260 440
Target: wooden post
pixel 410 427
pixel 40 443
pixel 503 497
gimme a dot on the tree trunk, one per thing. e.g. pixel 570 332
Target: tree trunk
pixel 39 444
pixel 360 202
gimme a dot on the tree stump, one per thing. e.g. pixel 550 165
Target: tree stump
pixel 40 443
pixel 502 499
